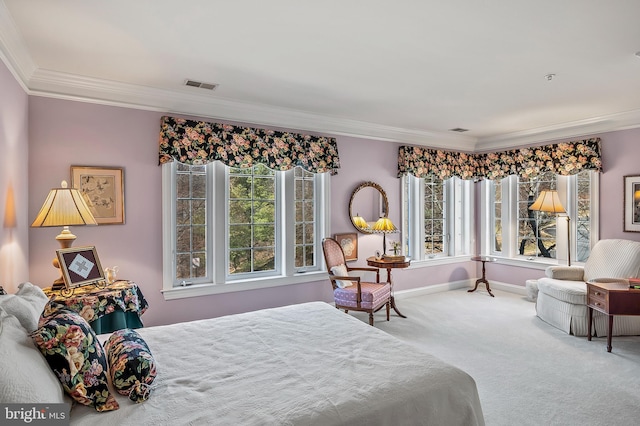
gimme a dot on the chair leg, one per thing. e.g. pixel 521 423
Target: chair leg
pixel 388 309
pixel 371 318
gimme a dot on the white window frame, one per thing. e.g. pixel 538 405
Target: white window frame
pixel 459 224
pixel 567 191
pixel 217 208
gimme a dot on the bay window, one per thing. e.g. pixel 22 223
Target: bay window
pixel 512 230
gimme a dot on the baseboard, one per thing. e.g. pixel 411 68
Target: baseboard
pixel 455 285
pixel 430 289
pixel 511 288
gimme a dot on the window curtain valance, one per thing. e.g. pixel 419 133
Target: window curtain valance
pixel 565 158
pixel 200 142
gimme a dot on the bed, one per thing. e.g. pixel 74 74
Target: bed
pixel 306 364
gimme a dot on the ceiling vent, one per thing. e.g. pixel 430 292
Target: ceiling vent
pixel 459 130
pixel 200 85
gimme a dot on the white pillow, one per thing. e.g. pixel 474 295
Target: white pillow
pixel 26 376
pixel 26 305
pixel 341 271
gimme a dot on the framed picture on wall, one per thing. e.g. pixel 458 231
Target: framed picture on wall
pixel 631 204
pixel 103 190
pixel 349 244
pixel 80 266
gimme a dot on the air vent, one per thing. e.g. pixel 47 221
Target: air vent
pixel 200 85
pixel 459 130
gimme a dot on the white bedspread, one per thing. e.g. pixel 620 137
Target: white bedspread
pixel 306 364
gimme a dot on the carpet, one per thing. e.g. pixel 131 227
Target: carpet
pixel 527 372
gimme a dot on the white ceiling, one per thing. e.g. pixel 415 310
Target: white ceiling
pixel 402 70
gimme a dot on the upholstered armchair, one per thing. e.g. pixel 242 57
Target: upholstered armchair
pixel 562 294
pixel 349 291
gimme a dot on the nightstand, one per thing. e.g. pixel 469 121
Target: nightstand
pixel 116 306
pixel 611 297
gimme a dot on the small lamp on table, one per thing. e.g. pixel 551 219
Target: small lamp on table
pixel 64 207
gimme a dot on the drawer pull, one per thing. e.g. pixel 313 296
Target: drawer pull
pixel 597 293
pixel 598 304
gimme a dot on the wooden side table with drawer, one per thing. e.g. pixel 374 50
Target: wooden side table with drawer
pixel 611 297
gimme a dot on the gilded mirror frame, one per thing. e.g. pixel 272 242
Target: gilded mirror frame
pixel 384 205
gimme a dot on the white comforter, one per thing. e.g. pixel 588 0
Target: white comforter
pixel 306 364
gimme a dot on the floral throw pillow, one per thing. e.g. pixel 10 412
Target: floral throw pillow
pixel 131 364
pixel 76 357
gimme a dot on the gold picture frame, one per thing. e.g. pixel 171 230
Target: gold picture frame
pixel 80 266
pixel 349 244
pixel 103 190
pixel 631 204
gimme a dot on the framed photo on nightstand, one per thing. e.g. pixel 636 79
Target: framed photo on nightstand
pixel 80 266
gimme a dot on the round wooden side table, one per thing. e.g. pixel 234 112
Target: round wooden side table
pixel 484 260
pixel 389 264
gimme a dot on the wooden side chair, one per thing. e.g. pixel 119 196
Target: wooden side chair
pixel 350 292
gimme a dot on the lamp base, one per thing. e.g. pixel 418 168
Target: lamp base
pixel 66 239
pixel 57 285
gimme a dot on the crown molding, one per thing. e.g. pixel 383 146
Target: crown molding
pixel 573 129
pixel 80 88
pixel 13 51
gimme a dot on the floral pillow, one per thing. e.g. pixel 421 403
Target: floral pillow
pixel 76 357
pixel 131 364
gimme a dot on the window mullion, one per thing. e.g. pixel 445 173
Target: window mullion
pixel 286 226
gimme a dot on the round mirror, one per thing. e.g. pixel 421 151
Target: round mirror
pixel 368 203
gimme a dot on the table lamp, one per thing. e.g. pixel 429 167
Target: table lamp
pixel 384 226
pixel 359 221
pixel 63 207
pixel 548 201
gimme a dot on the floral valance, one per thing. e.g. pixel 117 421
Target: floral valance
pixel 565 158
pixel 200 142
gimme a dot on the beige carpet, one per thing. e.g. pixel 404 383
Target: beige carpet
pixel 527 372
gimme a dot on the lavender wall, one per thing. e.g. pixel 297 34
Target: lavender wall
pixel 64 133
pixel 14 165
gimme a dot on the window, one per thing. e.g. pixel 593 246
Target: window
pixel 437 217
pixel 434 216
pixel 496 218
pixel 251 220
pixel 536 235
pixel 233 228
pixel 536 230
pixel 191 222
pixel 305 195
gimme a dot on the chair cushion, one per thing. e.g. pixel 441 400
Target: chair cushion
pixel 574 292
pixel 341 271
pixel 373 295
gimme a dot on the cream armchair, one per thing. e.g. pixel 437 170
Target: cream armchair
pixel 562 294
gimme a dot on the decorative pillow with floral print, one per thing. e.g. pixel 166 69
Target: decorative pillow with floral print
pixel 131 364
pixel 76 357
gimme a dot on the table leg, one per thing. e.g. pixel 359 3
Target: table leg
pixel 482 280
pixel 393 300
pixel 610 331
pixel 589 326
